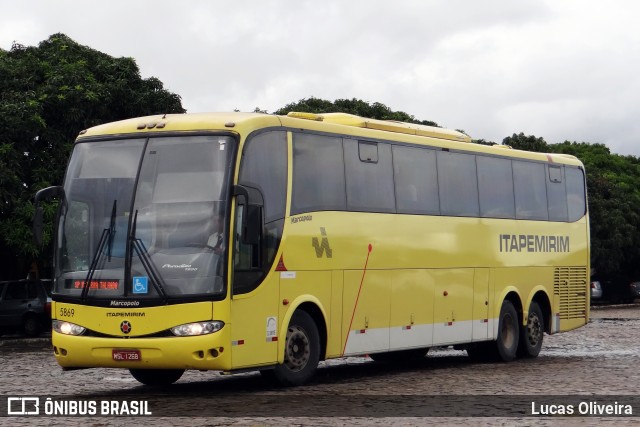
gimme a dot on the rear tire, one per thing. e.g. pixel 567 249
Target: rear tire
pixel 532 334
pixel 157 377
pixel 301 351
pixel 506 345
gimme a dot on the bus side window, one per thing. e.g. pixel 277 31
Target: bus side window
pixel 263 167
pixel 369 176
pixel 246 254
pixel 530 189
pixel 557 194
pixel 458 184
pixel 575 193
pixel 495 186
pixel 416 180
pixel 318 174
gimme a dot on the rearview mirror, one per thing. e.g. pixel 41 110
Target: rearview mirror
pixel 38 217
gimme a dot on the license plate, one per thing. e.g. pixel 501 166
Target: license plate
pixel 126 355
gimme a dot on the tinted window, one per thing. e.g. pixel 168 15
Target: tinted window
pixel 264 166
pixel 458 184
pixel 556 194
pixel 495 184
pixel 369 184
pixel 555 173
pixel 368 152
pixel 575 193
pixel 530 189
pixel 318 173
pixel 416 180
pixel 17 291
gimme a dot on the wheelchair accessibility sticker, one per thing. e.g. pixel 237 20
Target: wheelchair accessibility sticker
pixel 140 285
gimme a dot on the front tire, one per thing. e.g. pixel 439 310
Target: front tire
pixel 532 333
pixel 301 351
pixel 157 377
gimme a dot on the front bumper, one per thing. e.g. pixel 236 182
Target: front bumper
pixel 205 352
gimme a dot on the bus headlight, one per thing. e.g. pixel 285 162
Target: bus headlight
pixel 197 328
pixel 67 328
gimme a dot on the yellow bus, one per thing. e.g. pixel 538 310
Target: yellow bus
pixel 233 242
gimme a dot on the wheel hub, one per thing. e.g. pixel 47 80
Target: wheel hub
pixel 298 349
pixel 534 329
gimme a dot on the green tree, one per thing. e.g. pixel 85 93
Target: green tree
pixel 527 143
pixel 48 94
pixel 483 142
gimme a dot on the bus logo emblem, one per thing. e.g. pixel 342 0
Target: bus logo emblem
pixel 323 247
pixel 125 327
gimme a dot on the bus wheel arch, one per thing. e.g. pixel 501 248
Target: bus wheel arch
pixel 318 317
pixel 302 350
pixel 312 307
pixel 544 302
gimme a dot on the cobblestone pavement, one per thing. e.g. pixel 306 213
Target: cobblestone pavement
pixel 597 363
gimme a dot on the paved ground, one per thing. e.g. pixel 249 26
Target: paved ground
pixel 597 364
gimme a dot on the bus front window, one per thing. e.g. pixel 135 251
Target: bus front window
pixel 151 225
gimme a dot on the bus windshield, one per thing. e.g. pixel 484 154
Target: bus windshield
pixel 145 218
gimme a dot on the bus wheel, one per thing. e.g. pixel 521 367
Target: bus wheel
pixel 508 332
pixel 301 351
pixel 157 377
pixel 532 333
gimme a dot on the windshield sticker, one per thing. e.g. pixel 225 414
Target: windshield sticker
pixel 140 285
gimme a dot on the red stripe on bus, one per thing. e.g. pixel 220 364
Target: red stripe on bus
pixel 364 271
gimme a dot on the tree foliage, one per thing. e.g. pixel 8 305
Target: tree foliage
pixel 48 94
pixel 527 143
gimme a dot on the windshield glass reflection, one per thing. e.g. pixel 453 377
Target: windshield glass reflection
pixel 175 227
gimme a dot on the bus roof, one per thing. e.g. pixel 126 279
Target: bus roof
pixel 385 125
pixel 245 123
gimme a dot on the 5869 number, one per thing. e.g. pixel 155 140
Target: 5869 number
pixel 66 312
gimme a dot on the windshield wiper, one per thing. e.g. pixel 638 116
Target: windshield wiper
pixel 106 238
pixel 143 254
pixel 112 230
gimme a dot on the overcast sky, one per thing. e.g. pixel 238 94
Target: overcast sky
pixel 556 69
